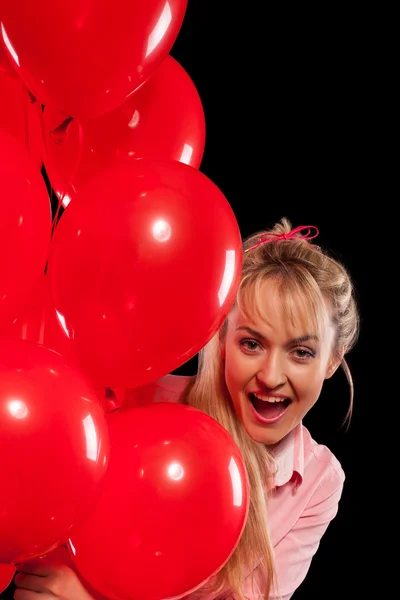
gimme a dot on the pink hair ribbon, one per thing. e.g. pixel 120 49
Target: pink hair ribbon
pixel 305 232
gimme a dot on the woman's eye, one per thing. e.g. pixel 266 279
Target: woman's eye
pixel 304 354
pixel 249 344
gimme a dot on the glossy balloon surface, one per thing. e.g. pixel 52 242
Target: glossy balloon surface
pixel 172 508
pixel 25 227
pixel 53 449
pixel 86 57
pixel 144 267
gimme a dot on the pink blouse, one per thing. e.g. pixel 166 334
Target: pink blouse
pixel 308 487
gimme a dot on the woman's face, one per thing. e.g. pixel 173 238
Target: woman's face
pixel 275 367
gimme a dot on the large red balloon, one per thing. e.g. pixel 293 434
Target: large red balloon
pixel 53 449
pixel 172 508
pixel 20 116
pixel 144 267
pixel 163 120
pixel 85 57
pixel 25 227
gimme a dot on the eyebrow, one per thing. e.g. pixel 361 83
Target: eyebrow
pixel 295 341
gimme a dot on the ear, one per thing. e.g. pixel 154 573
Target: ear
pixel 332 367
pixel 335 363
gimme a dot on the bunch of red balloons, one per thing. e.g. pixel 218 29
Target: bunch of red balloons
pixel 115 269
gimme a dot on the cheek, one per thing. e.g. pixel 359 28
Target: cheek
pixel 234 384
pixel 309 385
pixel 236 367
pixel 234 375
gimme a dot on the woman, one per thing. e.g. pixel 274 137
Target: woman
pixel 294 319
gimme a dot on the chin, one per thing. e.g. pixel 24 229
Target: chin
pixel 261 435
pixel 258 435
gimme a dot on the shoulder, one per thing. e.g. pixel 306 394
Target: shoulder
pixel 165 389
pixel 173 383
pixel 322 472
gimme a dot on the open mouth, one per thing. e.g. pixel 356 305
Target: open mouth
pixel 269 410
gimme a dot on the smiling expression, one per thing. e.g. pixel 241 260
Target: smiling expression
pixel 275 366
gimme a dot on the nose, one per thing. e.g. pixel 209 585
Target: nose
pixel 271 371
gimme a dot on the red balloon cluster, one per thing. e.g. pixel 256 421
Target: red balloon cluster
pixel 54 448
pixel 125 284
pixel 172 507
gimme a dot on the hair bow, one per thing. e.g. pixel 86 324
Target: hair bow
pixel 303 231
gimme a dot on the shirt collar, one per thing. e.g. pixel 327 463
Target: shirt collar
pixel 289 456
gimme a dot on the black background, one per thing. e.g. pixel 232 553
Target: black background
pixel 289 105
pixel 284 97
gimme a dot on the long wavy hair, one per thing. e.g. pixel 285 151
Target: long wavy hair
pixel 315 283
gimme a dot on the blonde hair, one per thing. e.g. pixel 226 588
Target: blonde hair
pixel 306 275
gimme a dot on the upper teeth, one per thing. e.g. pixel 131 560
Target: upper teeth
pixel 270 398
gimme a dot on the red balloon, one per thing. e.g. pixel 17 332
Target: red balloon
pixel 172 508
pixel 163 120
pixel 7 573
pixel 85 58
pixel 20 117
pixel 25 227
pixel 39 323
pixel 5 64
pixel 53 449
pixel 144 267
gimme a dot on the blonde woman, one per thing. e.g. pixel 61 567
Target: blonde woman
pixel 294 320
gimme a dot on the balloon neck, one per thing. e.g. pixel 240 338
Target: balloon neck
pixel 58 134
